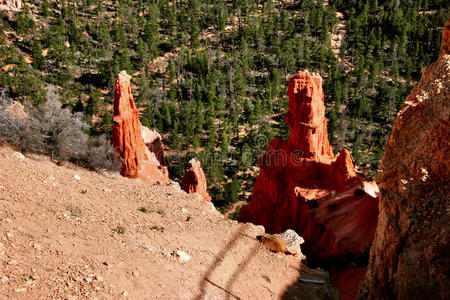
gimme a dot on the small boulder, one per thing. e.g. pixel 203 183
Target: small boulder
pixel 183 256
pixel 18 155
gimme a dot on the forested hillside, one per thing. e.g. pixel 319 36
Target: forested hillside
pixel 211 76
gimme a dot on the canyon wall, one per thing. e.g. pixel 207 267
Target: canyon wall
pixel 409 258
pixel 138 159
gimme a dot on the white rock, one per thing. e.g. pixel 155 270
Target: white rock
pixel 9 235
pixel 2 188
pixel 37 247
pixel 175 184
pixel 18 155
pixel 260 229
pixel 183 256
pixel 99 278
pixel 4 279
pixel 20 290
pixel 12 262
pixel 125 294
pixel 77 177
pixel 184 210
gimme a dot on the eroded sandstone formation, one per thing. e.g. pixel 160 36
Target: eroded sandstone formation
pixel 304 187
pixel 138 161
pixel 194 180
pixel 409 258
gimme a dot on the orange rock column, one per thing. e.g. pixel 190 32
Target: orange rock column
pixel 126 135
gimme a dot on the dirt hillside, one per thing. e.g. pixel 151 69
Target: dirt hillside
pixel 69 233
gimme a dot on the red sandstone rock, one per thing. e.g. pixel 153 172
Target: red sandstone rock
pixel 126 135
pixel 195 181
pixel 127 138
pixel 409 257
pixel 306 116
pixel 445 46
pixel 343 169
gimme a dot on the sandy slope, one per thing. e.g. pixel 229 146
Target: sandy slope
pixel 58 238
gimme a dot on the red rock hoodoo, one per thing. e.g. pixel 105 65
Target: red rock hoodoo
pixel 128 138
pixel 409 258
pixel 195 181
pixel 304 187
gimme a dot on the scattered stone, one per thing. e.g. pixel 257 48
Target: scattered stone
pixel 4 279
pixel 98 278
pixel 107 190
pixel 77 177
pixel 183 256
pixel 37 247
pixel 18 155
pixel 148 248
pixel 293 241
pixel 2 188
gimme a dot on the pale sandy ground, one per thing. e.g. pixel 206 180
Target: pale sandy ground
pixel 58 240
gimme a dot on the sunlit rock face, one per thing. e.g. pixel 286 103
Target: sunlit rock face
pixel 138 161
pixel 409 257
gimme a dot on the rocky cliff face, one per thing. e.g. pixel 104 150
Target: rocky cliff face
pixel 195 181
pixel 409 258
pixel 138 161
pixel 300 179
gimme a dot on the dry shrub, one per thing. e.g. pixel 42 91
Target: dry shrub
pixel 52 130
